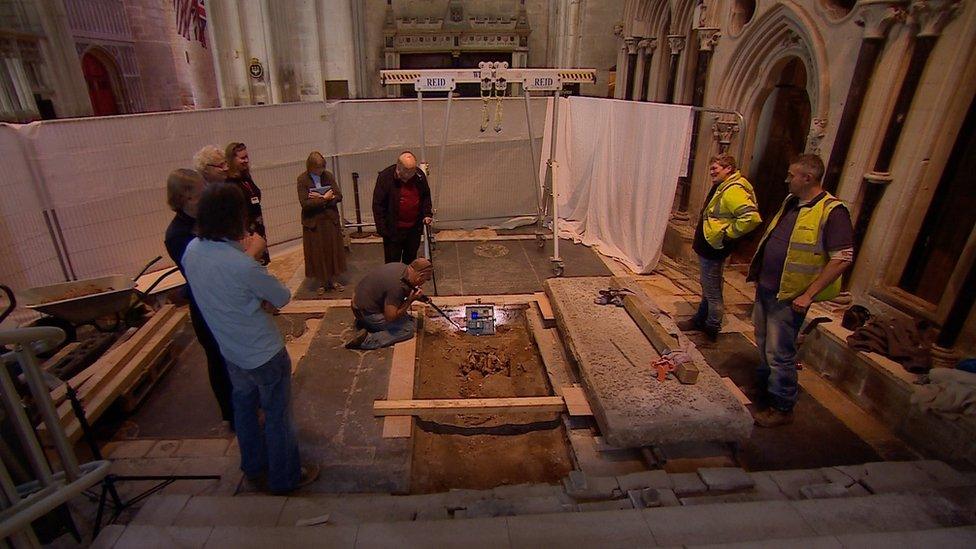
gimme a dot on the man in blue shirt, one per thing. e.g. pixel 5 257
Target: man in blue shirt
pixel 237 297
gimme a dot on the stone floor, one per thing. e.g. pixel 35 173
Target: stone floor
pixel 155 448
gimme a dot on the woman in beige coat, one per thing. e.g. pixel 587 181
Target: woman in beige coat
pixel 319 195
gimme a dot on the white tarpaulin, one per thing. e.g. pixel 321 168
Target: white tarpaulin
pixel 618 167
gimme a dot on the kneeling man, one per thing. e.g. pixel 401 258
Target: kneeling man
pixel 381 301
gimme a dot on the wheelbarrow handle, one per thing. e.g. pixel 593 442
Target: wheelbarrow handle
pixel 13 302
pixel 146 268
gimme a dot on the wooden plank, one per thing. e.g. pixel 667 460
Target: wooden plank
pixel 59 356
pixel 736 391
pixel 551 350
pixel 469 406
pixel 320 306
pixel 92 376
pixel 402 372
pixel 644 312
pixel 98 402
pixel 576 402
pixel 546 309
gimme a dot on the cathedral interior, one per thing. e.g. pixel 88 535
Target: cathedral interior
pixel 551 390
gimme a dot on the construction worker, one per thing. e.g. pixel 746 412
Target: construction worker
pixel 806 248
pixel 730 213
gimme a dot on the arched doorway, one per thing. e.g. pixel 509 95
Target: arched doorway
pixel 781 129
pixel 99 81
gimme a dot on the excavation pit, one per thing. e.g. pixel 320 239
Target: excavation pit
pixel 480 451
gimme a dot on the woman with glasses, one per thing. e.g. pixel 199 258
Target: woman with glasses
pixel 239 173
pixel 319 195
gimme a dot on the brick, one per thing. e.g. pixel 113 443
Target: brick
pixel 687 484
pixel 580 486
pixel 643 479
pixel 725 479
pixel 644 498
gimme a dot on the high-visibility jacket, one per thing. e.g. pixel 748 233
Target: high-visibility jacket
pixel 805 256
pixel 731 212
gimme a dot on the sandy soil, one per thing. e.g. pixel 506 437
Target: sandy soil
pixel 481 451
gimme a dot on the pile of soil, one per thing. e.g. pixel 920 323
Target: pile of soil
pixel 479 451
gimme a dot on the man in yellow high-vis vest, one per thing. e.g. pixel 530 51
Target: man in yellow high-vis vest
pixel 806 248
pixel 729 213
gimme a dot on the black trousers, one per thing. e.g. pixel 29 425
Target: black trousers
pixel 216 367
pixel 402 246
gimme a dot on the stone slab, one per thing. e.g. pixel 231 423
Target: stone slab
pixel 644 479
pixel 943 538
pixel 202 447
pixel 614 357
pixel 728 523
pixel 163 448
pixel 236 537
pixel 141 536
pixel 880 513
pixel 687 484
pixel 819 542
pixel 127 449
pixel 462 534
pixel 596 529
pixel 108 536
pixel 235 511
pixel 725 478
pixel 161 510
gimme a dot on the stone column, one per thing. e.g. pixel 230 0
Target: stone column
pixel 877 17
pixel 645 54
pixel 620 86
pixel 707 40
pixel 930 18
pixel 676 43
pixel 63 68
pixel 631 44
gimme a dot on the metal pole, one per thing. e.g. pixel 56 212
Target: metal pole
pixel 552 173
pixel 355 193
pixel 535 167
pixel 342 210
pixel 24 430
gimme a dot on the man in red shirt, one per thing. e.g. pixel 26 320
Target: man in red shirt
pixel 401 207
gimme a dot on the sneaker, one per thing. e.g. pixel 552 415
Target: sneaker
pixel 689 325
pixel 771 417
pixel 357 340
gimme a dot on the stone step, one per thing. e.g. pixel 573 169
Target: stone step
pixel 604 529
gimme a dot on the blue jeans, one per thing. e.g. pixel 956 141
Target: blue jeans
pixel 383 333
pixel 777 326
pixel 273 449
pixel 711 309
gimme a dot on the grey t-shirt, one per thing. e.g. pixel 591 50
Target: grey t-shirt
pixel 381 287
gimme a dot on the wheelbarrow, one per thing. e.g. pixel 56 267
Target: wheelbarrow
pixel 90 301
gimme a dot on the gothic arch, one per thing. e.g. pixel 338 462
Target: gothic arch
pixel 101 59
pixel 785 31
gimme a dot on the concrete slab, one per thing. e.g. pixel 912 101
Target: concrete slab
pixel 259 538
pixel 884 513
pixel 163 448
pixel 345 510
pixel 162 537
pixel 819 542
pixel 462 534
pixel 108 536
pixel 597 529
pixel 631 407
pixel 732 522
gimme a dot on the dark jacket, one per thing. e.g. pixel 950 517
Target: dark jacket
pixel 386 201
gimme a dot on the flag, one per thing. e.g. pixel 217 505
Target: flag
pixel 191 20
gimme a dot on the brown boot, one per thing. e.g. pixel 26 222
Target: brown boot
pixel 688 325
pixel 771 417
